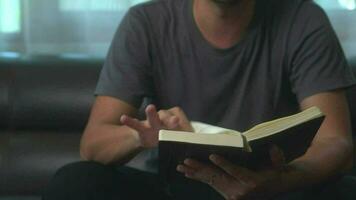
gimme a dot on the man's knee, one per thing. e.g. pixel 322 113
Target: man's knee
pixel 82 180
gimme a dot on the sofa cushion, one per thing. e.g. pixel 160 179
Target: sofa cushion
pixel 28 160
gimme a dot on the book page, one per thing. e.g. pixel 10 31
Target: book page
pixel 228 140
pixel 200 127
pixel 278 125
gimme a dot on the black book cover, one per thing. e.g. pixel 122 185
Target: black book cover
pixel 294 142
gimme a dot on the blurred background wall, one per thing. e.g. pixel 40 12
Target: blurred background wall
pixel 86 27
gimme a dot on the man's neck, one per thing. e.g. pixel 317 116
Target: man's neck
pixel 223 24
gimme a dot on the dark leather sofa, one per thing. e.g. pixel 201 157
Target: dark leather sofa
pixel 44 106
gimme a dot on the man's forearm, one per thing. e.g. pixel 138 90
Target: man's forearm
pixel 325 159
pixel 111 144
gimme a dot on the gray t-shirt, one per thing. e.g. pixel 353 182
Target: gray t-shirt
pixel 290 52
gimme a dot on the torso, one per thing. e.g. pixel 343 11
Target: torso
pixel 234 88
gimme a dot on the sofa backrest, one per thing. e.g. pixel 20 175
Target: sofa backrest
pixel 53 93
pixel 40 93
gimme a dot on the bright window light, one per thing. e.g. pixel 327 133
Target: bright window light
pixel 337 4
pixel 97 5
pixel 10 16
pixel 348 4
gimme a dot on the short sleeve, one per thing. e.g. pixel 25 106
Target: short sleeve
pixel 126 73
pixel 317 63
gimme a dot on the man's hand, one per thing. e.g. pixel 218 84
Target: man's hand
pixel 172 119
pixel 234 182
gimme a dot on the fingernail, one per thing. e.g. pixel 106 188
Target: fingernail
pixel 123 118
pixel 150 108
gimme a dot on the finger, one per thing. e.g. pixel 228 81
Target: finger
pixel 173 122
pixel 152 117
pixel 194 164
pixel 205 174
pixel 183 121
pixel 132 123
pixel 185 169
pixel 202 172
pixel 244 175
pixel 244 179
pixel 223 183
pixel 196 170
pixel 170 121
pixel 277 157
pixel 217 179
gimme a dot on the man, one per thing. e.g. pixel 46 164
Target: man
pixel 232 63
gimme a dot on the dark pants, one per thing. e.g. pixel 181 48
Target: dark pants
pixel 92 181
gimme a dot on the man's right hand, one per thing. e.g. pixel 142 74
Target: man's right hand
pixel 172 119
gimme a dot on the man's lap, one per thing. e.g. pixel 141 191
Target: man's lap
pixel 90 180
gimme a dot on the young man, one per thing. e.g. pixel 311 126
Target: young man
pixel 232 63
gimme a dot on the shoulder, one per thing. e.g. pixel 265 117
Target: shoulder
pixel 311 14
pixel 297 12
pixel 294 20
pixel 296 7
pixel 310 19
pixel 307 16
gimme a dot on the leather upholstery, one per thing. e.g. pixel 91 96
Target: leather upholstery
pixel 47 93
pixel 29 159
pixel 44 105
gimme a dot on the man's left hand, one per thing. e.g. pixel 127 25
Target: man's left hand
pixel 235 182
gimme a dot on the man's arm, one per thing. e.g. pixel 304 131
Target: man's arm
pixel 105 140
pixel 331 150
pixel 114 135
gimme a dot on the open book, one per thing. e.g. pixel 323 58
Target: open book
pixel 293 134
